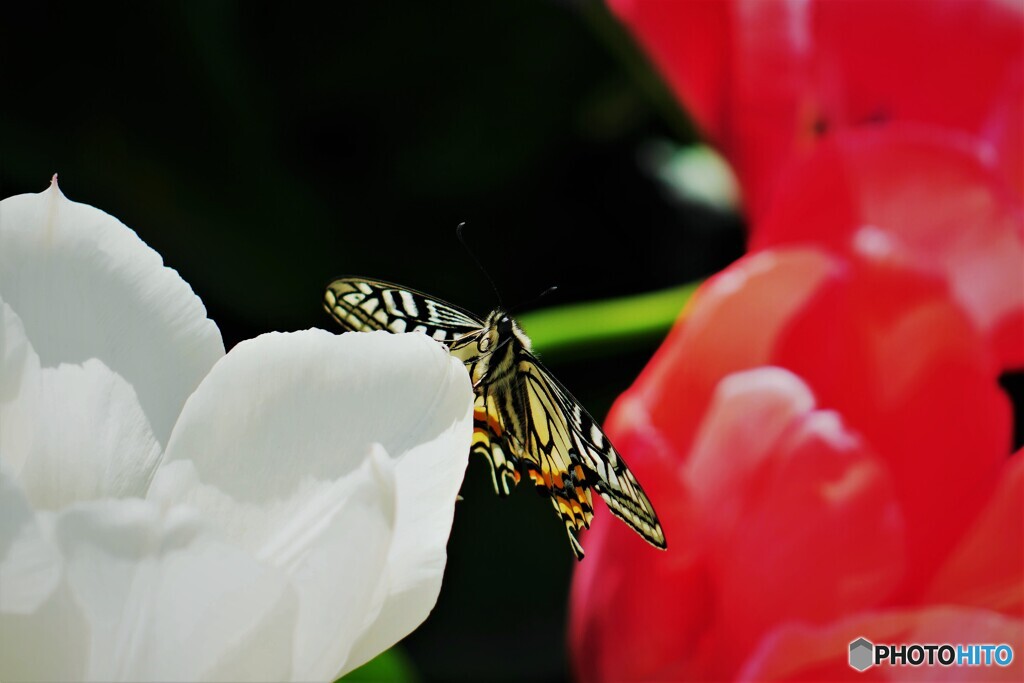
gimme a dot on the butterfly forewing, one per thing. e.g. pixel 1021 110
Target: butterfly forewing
pixel 362 305
pixel 525 421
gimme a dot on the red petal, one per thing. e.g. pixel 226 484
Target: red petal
pixel 689 41
pixel 986 569
pixel 810 531
pixel 882 346
pixel 904 367
pixel 766 79
pixel 920 198
pixel 750 412
pixel 732 324
pixel 770 484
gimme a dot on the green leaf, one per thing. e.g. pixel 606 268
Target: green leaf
pixel 609 324
pixel 390 665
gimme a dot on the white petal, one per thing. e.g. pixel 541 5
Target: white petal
pixel 43 634
pixel 332 539
pixel 282 423
pixel 86 286
pixel 427 490
pixel 19 386
pixel 30 567
pixel 86 437
pixel 283 407
pixel 167 600
pixel 69 433
pixel 338 579
pixel 15 352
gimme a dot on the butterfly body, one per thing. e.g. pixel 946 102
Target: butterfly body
pixel 525 421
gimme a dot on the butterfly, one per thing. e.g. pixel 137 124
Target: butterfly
pixel 524 421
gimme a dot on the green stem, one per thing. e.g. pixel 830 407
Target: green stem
pixel 610 324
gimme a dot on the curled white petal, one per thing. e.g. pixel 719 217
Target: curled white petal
pixel 427 489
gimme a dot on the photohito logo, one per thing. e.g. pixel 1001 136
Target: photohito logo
pixel 861 654
pixel 864 654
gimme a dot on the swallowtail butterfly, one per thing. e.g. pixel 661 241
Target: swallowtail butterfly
pixel 525 421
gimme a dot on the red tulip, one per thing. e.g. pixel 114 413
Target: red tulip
pixel 826 444
pixel 920 197
pixel 768 80
pixel 823 433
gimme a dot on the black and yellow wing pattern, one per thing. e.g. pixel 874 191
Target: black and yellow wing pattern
pixel 362 305
pixel 567 438
pixel 525 421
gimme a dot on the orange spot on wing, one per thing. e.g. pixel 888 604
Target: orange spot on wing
pixel 489 420
pixel 564 507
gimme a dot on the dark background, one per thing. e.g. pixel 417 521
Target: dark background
pixel 263 150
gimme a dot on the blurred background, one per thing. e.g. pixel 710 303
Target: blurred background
pixel 264 150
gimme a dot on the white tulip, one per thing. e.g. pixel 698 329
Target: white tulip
pixel 169 512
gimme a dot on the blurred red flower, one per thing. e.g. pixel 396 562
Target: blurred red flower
pixel 827 446
pixel 921 197
pixel 823 433
pixel 767 80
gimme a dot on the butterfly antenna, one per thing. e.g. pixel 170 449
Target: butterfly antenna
pixel 530 302
pixel 472 255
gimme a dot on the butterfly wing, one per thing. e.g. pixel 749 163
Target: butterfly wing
pixel 491 440
pixel 568 455
pixel 508 415
pixel 362 305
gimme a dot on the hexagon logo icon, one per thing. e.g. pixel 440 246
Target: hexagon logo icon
pixel 861 651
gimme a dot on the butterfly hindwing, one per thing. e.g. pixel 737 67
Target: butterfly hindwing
pixel 491 440
pixel 551 462
pixel 569 444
